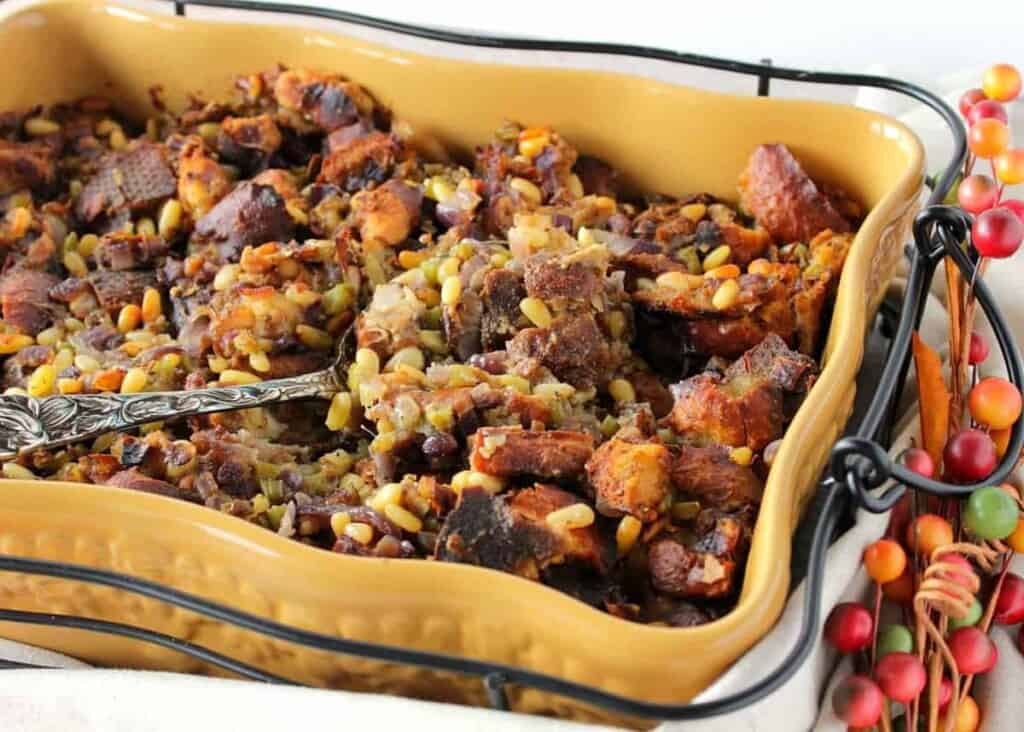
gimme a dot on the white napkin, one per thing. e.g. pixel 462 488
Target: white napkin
pixel 76 700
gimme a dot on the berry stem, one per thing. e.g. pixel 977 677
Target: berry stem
pixel 956 298
pixel 968 164
pixel 886 719
pixel 995 177
pixel 986 619
pixel 934 682
pixel 877 614
pixel 961 323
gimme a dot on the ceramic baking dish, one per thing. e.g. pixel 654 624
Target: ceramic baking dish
pixel 663 137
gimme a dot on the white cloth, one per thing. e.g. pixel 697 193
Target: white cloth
pixel 74 700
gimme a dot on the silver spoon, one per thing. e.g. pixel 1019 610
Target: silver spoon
pixel 29 423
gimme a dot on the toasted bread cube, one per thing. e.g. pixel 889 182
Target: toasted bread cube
pixel 742 411
pixel 512 451
pixel 389 212
pixel 630 478
pixel 510 532
pixel 775 190
pixel 710 475
pixel 681 571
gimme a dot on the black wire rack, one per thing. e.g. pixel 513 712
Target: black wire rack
pixel 859 464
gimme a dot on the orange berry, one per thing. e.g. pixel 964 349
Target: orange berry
pixel 901 589
pixel 995 403
pixel 968 716
pixel 1016 539
pixel 1001 439
pixel 1001 82
pixel 988 137
pixel 885 561
pixel 928 533
pixel 1009 165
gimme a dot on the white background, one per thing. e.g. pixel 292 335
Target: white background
pixel 911 38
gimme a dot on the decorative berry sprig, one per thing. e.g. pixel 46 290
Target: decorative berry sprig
pixel 944 562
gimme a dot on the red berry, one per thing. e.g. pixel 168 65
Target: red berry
pixel 993 660
pixel 849 627
pixel 900 676
pixel 969 99
pixel 997 233
pixel 899 517
pixel 962 574
pixel 973 651
pixel 945 692
pixel 970 456
pixel 977 193
pixel 987 108
pixel 1010 605
pixel 858 701
pixel 1014 205
pixel 920 462
pixel 979 349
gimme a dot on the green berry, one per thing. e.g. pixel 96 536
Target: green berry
pixel 973 616
pixel 894 638
pixel 991 513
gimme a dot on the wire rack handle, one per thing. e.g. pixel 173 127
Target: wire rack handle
pixel 861 463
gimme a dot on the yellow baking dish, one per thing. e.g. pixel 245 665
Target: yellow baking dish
pixel 663 137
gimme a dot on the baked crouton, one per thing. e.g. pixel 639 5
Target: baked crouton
pixel 777 192
pixel 389 212
pixel 707 567
pixel 127 181
pixel 325 100
pixel 361 162
pixel 510 532
pixel 709 475
pixel 511 451
pixel 630 477
pixel 26 165
pixel 710 410
pixel 573 347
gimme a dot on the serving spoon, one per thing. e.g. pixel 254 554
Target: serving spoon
pixel 29 423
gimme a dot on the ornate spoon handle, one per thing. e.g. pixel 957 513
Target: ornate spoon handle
pixel 27 423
